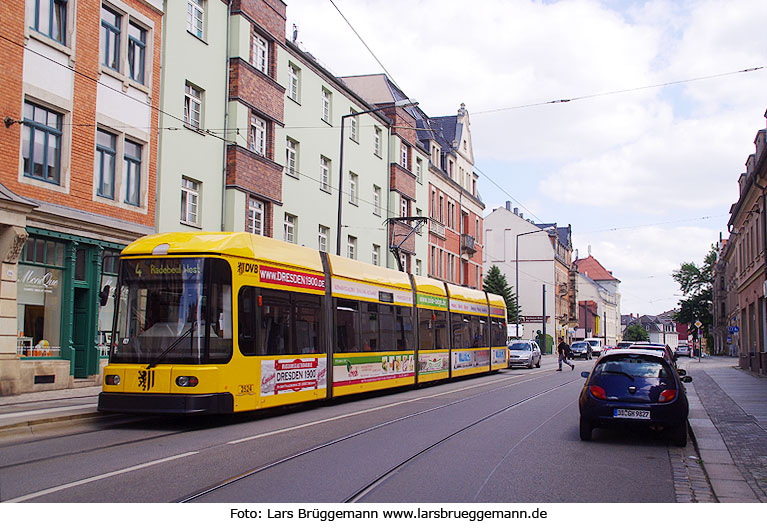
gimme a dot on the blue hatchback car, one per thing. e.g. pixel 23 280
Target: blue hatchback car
pixel 635 387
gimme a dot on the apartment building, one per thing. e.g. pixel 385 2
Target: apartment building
pixel 79 90
pixel 454 207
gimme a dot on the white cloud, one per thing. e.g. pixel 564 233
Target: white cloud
pixel 645 157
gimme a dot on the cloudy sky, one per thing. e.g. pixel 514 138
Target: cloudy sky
pixel 645 176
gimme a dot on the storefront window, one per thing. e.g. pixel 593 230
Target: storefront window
pixel 39 311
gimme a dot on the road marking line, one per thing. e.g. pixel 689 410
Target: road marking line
pixel 97 478
pixel 346 416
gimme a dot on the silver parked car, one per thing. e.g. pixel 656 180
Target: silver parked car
pixel 525 353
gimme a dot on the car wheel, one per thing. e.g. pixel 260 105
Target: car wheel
pixel 679 435
pixel 586 428
pixel 530 365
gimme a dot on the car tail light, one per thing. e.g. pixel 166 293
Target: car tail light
pixel 597 392
pixel 186 382
pixel 112 380
pixel 667 395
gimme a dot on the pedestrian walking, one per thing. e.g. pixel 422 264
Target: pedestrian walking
pixel 563 349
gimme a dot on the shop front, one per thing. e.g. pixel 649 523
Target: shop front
pixel 65 290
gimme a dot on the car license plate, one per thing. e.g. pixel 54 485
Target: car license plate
pixel 619 413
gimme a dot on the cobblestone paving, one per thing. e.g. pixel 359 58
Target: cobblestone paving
pixel 690 481
pixel 745 439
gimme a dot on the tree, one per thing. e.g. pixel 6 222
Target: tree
pixel 495 283
pixel 698 285
pixel 636 333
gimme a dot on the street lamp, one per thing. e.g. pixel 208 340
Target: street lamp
pixel 516 268
pixel 396 104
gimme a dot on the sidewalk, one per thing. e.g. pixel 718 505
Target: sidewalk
pixel 728 421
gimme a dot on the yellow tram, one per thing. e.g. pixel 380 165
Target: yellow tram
pixel 229 322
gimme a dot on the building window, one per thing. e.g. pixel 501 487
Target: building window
pixel 192 106
pixel 353 188
pixel 294 75
pixel 106 156
pixel 258 135
pixel 377 200
pixel 260 54
pixel 51 19
pixel 326 102
pixel 136 52
pixel 195 17
pixel 418 267
pixel 403 156
pixel 322 238
pixel 377 142
pixel 41 143
pixel 353 126
pixel 418 170
pixel 351 247
pixel 324 174
pixel 190 198
pixel 290 227
pixel 291 157
pixel 442 209
pixel 404 206
pixel 132 173
pixel 255 221
pixel 110 38
pixel 376 255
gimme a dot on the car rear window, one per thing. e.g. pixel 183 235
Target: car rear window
pixel 633 365
pixel 520 347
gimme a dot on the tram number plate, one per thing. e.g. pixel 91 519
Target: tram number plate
pixel 620 413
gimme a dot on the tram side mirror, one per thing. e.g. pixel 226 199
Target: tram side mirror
pixel 104 295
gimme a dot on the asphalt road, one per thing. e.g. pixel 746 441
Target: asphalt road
pixel 507 437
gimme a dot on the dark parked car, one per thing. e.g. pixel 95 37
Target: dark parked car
pixel 581 349
pixel 635 387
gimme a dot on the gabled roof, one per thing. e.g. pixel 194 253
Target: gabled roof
pixel 563 234
pixel 594 270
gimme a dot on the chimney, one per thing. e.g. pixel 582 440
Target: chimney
pixel 508 206
pixel 516 211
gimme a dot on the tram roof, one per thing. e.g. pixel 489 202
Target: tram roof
pixel 359 271
pixel 236 244
pixel 427 285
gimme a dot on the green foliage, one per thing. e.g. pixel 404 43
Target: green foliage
pixel 495 283
pixel 636 333
pixel 697 284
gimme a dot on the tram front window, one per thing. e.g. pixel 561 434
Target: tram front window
pixel 174 311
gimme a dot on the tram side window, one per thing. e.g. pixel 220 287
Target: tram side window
pixel 347 326
pixel 426 326
pixel 369 327
pixel 247 320
pixel 479 324
pixel 440 330
pixel 461 329
pixel 274 338
pixel 405 339
pixel 307 323
pixel 388 342
pixel 498 332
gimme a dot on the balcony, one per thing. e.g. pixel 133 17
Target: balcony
pixel 467 244
pixel 437 228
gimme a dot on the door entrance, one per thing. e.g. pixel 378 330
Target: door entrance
pixel 81 330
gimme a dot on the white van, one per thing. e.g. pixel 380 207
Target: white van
pixel 596 345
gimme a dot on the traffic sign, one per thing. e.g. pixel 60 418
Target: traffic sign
pixel 698 324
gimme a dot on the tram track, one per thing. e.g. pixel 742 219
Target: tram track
pixel 370 486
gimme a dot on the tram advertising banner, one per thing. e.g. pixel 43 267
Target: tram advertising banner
pixel 499 356
pixel 377 368
pixel 471 359
pixel 293 376
pixel 432 363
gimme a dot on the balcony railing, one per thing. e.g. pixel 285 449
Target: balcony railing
pixel 467 244
pixel 437 228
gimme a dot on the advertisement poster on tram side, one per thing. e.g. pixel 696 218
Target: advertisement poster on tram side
pixel 482 358
pixel 293 376
pixel 361 370
pixel 431 363
pixel 499 356
pixel 463 359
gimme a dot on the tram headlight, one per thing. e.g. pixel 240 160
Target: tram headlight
pixel 112 380
pixel 186 382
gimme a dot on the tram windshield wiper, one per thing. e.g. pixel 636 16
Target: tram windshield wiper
pixel 177 341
